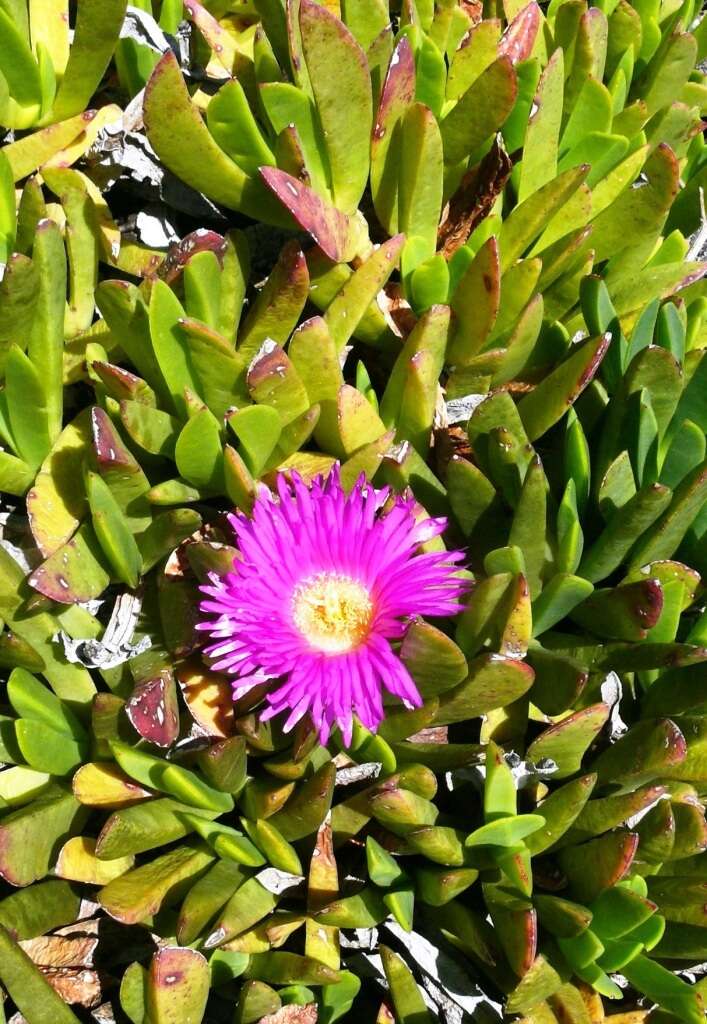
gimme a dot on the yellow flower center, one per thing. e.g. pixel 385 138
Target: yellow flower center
pixel 332 612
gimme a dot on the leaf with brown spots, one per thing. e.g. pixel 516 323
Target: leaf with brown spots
pixel 177 986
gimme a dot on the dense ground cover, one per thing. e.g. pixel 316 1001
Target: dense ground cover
pixel 370 339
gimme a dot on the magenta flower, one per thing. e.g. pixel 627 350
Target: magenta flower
pixel 324 583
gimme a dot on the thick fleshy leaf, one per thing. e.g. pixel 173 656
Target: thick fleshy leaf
pixel 207 897
pixel 40 908
pixel 216 365
pixel 46 749
pixel 480 112
pixel 545 405
pixel 529 218
pixel 567 741
pixel 77 571
pixel 617 538
pixel 336 234
pixel 273 381
pixel 308 807
pixel 597 865
pixel 668 532
pixel 101 784
pixel 420 186
pixel 113 531
pixel 406 996
pixel 139 893
pixel 177 133
pixel 27 986
pixel 277 306
pixel 25 155
pixel 28 836
pixel 627 612
pixel 351 302
pixel 493 682
pixel 177 985
pixel 340 82
pixel 476 303
pixel 95 35
pixel 648 750
pixel 434 661
pixel 516 926
pixel 198 452
pixel 249 904
pixel 77 862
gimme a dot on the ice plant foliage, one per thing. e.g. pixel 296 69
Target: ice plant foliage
pixel 325 584
pixel 461 251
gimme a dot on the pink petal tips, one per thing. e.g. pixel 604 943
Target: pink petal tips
pixel 324 582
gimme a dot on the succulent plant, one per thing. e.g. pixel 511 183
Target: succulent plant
pixel 445 260
pixel 49 73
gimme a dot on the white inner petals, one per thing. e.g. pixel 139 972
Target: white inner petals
pixel 332 611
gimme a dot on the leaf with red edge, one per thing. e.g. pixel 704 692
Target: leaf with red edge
pixel 597 865
pixel 397 95
pixel 567 741
pixel 646 752
pixel 276 309
pixel 519 38
pixel 516 926
pixel 120 471
pixel 179 253
pixel 336 234
pixel 551 398
pixel 122 385
pixel 177 986
pixel 626 612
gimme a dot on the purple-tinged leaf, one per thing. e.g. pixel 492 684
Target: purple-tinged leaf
pixel 120 471
pixel 519 38
pixel 397 95
pixel 152 709
pixel 336 234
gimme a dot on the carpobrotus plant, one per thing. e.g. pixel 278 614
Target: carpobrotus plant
pixel 349 579
pixel 355 509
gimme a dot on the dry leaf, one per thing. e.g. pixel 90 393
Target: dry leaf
pixel 292 1015
pixel 473 200
pixel 208 696
pixel 75 985
pixel 59 951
